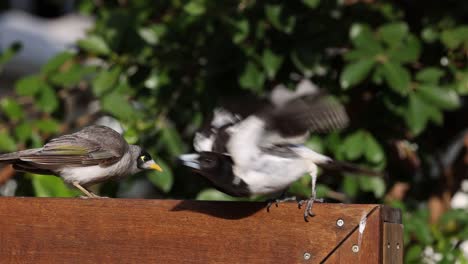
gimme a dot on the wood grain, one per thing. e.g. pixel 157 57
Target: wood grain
pixel 59 230
pixel 392 243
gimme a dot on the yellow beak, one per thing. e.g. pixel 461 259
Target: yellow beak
pixel 155 166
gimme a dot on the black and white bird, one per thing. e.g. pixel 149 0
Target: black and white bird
pixel 92 155
pixel 262 153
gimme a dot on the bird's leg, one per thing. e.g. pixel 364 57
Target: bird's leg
pixel 313 198
pixel 83 189
pixel 281 199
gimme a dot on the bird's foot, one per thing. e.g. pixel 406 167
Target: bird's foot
pixel 308 210
pixel 279 200
pixel 92 196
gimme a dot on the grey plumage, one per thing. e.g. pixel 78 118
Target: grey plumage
pixel 91 155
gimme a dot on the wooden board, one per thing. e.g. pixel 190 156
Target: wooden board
pixel 59 230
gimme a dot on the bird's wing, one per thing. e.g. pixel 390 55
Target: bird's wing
pixel 311 113
pixel 97 146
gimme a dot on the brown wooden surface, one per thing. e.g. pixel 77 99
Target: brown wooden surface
pixel 392 243
pixel 58 230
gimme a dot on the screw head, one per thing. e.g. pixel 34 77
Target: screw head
pixel 340 222
pixel 307 256
pixel 355 248
pixel 398 246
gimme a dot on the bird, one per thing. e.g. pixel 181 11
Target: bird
pixel 92 155
pixel 263 152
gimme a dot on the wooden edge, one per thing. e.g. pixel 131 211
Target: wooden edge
pixel 392 243
pixel 391 215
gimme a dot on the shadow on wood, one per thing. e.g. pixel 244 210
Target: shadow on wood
pixel 57 230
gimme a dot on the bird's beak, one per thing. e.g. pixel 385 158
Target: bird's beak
pixel 152 165
pixel 190 160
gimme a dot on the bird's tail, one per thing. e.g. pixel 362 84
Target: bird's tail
pixel 349 167
pixel 14 156
pixel 328 163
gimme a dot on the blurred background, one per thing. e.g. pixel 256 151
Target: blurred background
pixel 154 70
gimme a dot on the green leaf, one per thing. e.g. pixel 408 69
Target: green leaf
pixel 392 34
pixel 372 184
pixel 9 53
pixel 47 125
pixel 430 75
pixel 416 117
pixel 106 80
pixel 354 145
pixel 242 30
pixel 407 51
pixel 301 187
pixel 373 151
pixel 442 98
pixel 462 82
pixel 311 3
pixel 274 16
pixel 156 79
pixel 94 44
pixel 47 101
pixel 12 109
pixel 56 62
pixel 271 62
pixel 397 77
pixel 163 180
pixel 363 38
pixel 214 195
pixel 413 254
pixel 355 72
pixel 23 131
pixel 350 185
pixel 195 8
pixel 28 86
pixel 429 35
pixel 72 76
pixel 252 78
pixel 7 143
pixel 117 105
pixel 172 140
pixel 452 38
pixel 152 34
pixel 51 186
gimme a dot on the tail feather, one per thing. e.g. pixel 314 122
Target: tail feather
pixel 349 167
pixel 15 156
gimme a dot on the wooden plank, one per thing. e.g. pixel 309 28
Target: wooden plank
pixel 363 243
pixel 59 230
pixel 392 243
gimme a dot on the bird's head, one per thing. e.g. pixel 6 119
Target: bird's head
pixel 206 163
pixel 144 161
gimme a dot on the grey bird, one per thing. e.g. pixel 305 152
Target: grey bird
pixel 263 153
pixel 92 155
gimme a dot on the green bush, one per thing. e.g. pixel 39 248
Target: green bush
pixel 160 67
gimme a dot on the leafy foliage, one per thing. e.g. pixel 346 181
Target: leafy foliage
pixel 159 68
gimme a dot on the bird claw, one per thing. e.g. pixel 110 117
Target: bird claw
pixel 279 200
pixel 308 210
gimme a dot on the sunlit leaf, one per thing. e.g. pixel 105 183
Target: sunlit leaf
pixel 58 60
pixel 355 72
pixel 51 186
pixel 252 78
pixel 396 76
pixel 94 44
pixel 106 80
pixel 271 62
pixel 12 109
pixel 7 143
pixel 28 86
pixel 392 34
pixel 163 180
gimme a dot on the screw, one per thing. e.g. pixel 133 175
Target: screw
pixel 340 222
pixel 388 245
pixel 355 248
pixel 398 246
pixel 307 256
